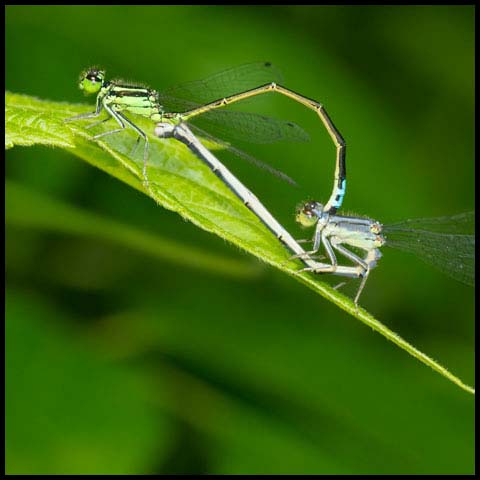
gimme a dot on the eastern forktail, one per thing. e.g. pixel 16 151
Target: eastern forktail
pixel 202 99
pixel 184 134
pixel 447 243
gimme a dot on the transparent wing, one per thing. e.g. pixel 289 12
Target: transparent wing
pixel 245 156
pixel 447 243
pixel 226 83
pixel 460 223
pixel 250 127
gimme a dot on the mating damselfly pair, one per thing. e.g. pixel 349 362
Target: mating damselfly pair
pixel 203 103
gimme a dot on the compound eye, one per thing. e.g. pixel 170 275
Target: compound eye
pixel 93 77
pixel 91 81
pixel 306 215
pixel 309 208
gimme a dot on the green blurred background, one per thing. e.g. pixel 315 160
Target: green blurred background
pixel 118 362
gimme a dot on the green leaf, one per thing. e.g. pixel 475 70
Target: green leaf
pixel 182 183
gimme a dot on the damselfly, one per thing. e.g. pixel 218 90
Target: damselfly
pixel 182 133
pixel 447 243
pixel 202 99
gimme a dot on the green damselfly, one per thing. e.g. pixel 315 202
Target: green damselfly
pixel 198 102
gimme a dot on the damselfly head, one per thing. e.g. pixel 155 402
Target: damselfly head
pixel 308 213
pixel 91 80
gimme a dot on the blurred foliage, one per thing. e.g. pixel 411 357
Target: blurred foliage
pixel 120 364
